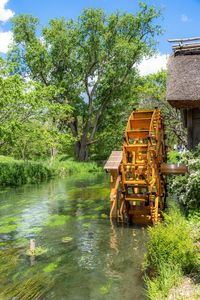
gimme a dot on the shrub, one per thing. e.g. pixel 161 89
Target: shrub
pixel 187 187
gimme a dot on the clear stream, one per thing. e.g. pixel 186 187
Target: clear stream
pixel 85 256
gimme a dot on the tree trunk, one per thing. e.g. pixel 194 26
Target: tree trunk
pixel 81 149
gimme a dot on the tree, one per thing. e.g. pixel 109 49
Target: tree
pixel 92 59
pixel 26 110
pixel 151 92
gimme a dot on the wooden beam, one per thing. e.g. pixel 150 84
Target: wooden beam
pixel 183 40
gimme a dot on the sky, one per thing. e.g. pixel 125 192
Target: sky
pixel 180 19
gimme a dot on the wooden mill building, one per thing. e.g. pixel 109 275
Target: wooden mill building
pixel 183 85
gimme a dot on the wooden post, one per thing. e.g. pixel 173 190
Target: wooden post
pixel 189 129
pixel 32 246
pixel 196 126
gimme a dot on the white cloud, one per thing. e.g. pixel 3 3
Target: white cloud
pixel 5 13
pixel 153 64
pixel 5 40
pixel 6 37
pixel 184 18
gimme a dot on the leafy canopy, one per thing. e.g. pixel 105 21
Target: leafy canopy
pixel 92 59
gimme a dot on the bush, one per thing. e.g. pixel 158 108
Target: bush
pixel 15 173
pixel 187 187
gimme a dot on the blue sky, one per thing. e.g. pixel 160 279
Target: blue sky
pixel 180 18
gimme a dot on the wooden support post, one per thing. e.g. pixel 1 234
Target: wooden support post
pixel 189 129
pixel 196 126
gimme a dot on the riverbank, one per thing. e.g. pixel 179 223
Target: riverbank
pixel 64 165
pixel 18 172
pixel 172 262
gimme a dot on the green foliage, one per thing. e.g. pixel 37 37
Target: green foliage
pixel 91 60
pixel 57 220
pixel 170 243
pixel 14 173
pixel 173 157
pixel 187 187
pixel 50 267
pixel 29 118
pixel 38 251
pixel 67 239
pixel 167 277
pixel 170 253
pixel 150 92
pixel 64 165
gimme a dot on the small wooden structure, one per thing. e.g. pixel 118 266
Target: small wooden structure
pixel 183 85
pixel 137 173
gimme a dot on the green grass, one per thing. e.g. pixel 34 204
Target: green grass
pixel 171 253
pixel 64 165
pixel 173 156
pixel 17 172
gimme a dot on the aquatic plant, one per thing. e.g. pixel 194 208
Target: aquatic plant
pixel 67 239
pixel 33 288
pixel 50 267
pixel 57 220
pixel 38 251
pixel 7 228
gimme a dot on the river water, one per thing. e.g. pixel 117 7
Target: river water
pixel 85 257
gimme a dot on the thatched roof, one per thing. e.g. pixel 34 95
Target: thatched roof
pixel 183 80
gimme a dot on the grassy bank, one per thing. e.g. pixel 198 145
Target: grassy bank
pixel 63 165
pixel 17 172
pixel 172 256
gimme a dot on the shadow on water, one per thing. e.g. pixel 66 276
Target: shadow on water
pixel 85 256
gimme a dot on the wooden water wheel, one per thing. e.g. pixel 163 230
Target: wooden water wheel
pixel 138 171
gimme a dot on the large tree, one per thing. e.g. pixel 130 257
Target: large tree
pixel 92 59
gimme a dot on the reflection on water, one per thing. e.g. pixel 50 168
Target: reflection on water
pixel 86 257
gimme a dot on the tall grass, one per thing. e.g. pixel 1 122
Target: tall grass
pixel 64 165
pixel 15 173
pixel 171 253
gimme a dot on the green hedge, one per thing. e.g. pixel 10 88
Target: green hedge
pixel 15 173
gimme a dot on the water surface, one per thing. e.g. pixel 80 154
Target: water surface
pixel 100 261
